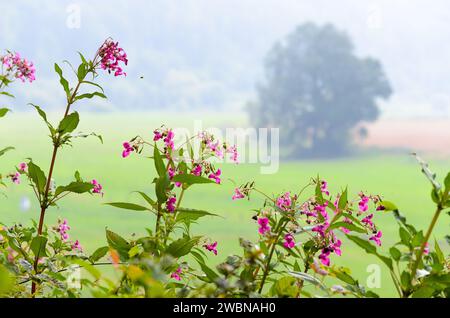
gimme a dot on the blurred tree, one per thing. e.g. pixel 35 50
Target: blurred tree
pixel 316 90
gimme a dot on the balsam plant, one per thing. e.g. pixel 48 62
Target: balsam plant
pixel 41 257
pixel 12 67
pixel 299 234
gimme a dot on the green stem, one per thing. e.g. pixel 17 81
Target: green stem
pixel 415 265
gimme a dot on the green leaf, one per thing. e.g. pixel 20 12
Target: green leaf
pixel 136 250
pixel 90 95
pixel 98 254
pixel 418 239
pixel 159 163
pixel 188 215
pixel 127 206
pixel 5 150
pixel 62 80
pixel 6 281
pixel 343 200
pixel 319 195
pixel 161 188
pixel 3 112
pixel 38 246
pixel 94 84
pixel 82 71
pixel 351 227
pixel 395 253
pixel 182 246
pixel 115 241
pixel 148 199
pixel 370 249
pixel 389 206
pixel 75 187
pixel 447 183
pixel 308 278
pixel 405 237
pixel 37 176
pixel 439 253
pixel 423 292
pixel 69 123
pixel 7 94
pixel 210 273
pixel 191 179
pixel 44 117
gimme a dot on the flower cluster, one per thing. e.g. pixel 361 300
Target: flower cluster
pixel 110 55
pixel 16 67
pixel 212 247
pixel 97 187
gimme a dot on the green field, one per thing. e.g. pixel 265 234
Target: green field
pixel 396 177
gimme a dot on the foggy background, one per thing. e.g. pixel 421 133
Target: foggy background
pixel 208 55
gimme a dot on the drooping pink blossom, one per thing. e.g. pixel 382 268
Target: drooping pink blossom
pixel 76 246
pixel 197 170
pixel 376 238
pixel 15 178
pixel 62 229
pixel 110 55
pixel 234 154
pixel 97 187
pixel 336 247
pixel 23 167
pixel 168 140
pixel 324 187
pixel 263 225
pixel 364 203
pixel 284 201
pixel 128 149
pixel 157 135
pixel 289 241
pixel 211 247
pixel 368 220
pixel 177 274
pixel 215 176
pixel 237 194
pixel 324 257
pixel 170 204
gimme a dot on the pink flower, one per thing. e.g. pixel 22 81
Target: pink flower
pixel 128 149
pixel 322 209
pixel 321 228
pixel 381 208
pixel 426 250
pixel 63 228
pixel 234 154
pixel 368 220
pixel 176 275
pixel 237 194
pixel 111 54
pixel 336 247
pixel 168 140
pixel 76 246
pixel 15 178
pixel 284 201
pixel 363 204
pixel 170 204
pixel 157 135
pixel 23 167
pixel 324 257
pixel 97 187
pixel 197 170
pixel 263 225
pixel 215 176
pixel 376 238
pixel 211 247
pixel 324 187
pixel 17 67
pixel 289 241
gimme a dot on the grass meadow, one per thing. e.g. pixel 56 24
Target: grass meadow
pixel 396 177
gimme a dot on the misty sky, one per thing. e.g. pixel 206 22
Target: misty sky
pixel 209 53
